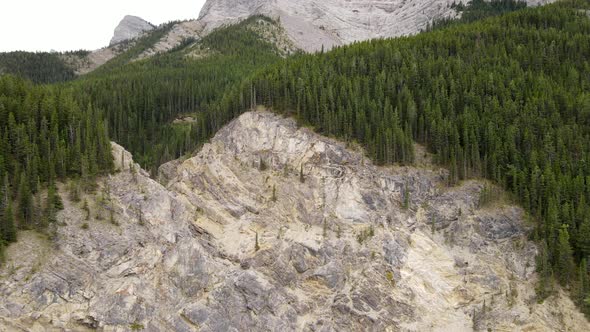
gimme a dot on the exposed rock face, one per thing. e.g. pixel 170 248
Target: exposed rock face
pixel 272 227
pixel 313 24
pixel 179 33
pixel 130 27
pixel 86 64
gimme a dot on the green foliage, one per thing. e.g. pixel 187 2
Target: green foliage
pixel 143 98
pixel 390 277
pixel 564 262
pixel 262 165
pixel 45 136
pixel 488 195
pixel 407 198
pixel 581 289
pixel 583 242
pixel 86 209
pixel 505 98
pixel 134 48
pixel 301 176
pixel 136 327
pixel 476 10
pixel 365 234
pixel 7 223
pixel 39 67
pixel 274 193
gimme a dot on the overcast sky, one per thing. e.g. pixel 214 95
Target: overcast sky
pixel 44 25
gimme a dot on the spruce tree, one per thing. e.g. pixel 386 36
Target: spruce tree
pixel 25 203
pixel 8 227
pixel 564 260
pixel 584 238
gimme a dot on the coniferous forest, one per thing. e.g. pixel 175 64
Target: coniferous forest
pixel 38 67
pixel 141 99
pixel 505 98
pixel 46 137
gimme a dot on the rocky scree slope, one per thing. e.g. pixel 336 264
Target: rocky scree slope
pixel 273 227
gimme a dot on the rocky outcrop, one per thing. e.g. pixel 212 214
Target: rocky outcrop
pixel 129 28
pixel 273 227
pixel 313 24
pixel 179 33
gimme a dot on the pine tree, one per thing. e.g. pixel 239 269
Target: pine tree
pixel 274 193
pixel 25 205
pixel 301 176
pixel 565 262
pixel 545 284
pixel 8 228
pixel 584 237
pixel 407 199
pixel 582 289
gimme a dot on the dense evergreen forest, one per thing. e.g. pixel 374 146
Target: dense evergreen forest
pixel 38 67
pixel 45 137
pixel 142 98
pixel 476 10
pixel 53 132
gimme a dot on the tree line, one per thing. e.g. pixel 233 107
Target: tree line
pixel 45 137
pixel 40 67
pixel 141 99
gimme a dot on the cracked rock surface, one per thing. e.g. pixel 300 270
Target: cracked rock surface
pixel 273 227
pixel 313 24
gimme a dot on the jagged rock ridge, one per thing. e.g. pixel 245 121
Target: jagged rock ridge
pixel 129 28
pixel 272 227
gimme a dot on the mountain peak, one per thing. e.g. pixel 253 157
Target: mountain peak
pixel 130 27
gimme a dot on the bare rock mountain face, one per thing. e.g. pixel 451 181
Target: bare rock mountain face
pixel 313 24
pixel 130 27
pixel 273 227
pixel 309 25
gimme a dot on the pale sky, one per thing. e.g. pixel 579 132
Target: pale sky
pixel 63 25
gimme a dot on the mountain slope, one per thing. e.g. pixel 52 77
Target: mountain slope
pixel 39 67
pixel 145 97
pixel 505 98
pixel 314 24
pixel 273 227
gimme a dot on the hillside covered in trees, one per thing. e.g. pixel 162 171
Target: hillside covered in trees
pixel 505 98
pixel 46 136
pixel 142 98
pixel 56 132
pixel 39 67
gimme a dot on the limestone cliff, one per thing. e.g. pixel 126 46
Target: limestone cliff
pixel 273 227
pixel 129 28
pixel 313 24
